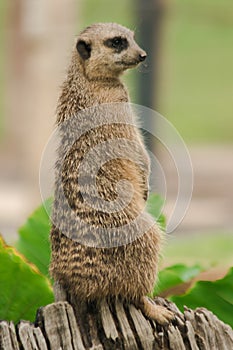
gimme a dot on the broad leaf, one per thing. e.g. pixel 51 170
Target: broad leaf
pixel 33 240
pixel 175 275
pixel 22 287
pixel 216 296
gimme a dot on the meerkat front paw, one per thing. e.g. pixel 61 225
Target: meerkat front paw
pixel 155 312
pixel 160 314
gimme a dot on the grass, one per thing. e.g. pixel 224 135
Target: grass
pixel 107 11
pixel 198 72
pixel 212 249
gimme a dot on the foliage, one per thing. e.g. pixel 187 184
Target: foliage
pixel 25 286
pixel 175 275
pixel 33 240
pixel 216 296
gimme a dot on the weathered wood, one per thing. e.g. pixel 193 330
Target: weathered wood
pixel 8 339
pixel 108 323
pixel 127 333
pixel 114 325
pixel 31 338
pixel 60 327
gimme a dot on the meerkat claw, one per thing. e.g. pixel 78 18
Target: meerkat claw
pixel 155 312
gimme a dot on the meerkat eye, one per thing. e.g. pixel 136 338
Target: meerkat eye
pixel 118 43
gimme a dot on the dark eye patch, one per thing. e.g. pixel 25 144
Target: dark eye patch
pixel 117 43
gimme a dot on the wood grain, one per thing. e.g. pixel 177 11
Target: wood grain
pixel 115 325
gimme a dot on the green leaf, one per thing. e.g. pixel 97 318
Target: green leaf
pixel 155 204
pixel 216 296
pixel 33 240
pixel 174 275
pixel 22 288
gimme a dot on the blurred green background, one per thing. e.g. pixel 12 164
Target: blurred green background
pixel 196 79
pixel 195 92
pixel 195 87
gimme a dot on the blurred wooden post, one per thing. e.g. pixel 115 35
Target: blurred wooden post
pixel 149 23
pixel 40 34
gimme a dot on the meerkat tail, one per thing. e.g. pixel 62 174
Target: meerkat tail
pixel 59 292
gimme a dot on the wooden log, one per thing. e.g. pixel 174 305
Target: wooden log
pixel 31 337
pixel 8 339
pixel 115 325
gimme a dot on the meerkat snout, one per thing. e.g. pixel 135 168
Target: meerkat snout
pixel 142 57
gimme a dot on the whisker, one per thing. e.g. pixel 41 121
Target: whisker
pixel 144 68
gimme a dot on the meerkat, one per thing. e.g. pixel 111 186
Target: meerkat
pixel 102 52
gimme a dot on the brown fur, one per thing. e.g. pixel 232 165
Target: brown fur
pixel 88 273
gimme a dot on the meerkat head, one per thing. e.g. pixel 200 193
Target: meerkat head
pixel 105 50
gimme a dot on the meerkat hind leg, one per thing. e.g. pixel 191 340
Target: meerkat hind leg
pixel 155 312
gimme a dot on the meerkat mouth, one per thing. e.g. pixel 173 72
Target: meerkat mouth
pixel 128 64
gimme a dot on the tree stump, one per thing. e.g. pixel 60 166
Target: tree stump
pixel 59 326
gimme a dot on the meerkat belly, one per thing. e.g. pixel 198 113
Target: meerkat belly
pixel 93 178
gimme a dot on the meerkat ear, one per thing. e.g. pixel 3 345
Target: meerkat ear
pixel 84 49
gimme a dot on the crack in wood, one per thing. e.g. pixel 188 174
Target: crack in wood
pixel 115 326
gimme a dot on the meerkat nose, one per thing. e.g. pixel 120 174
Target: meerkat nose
pixel 142 57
